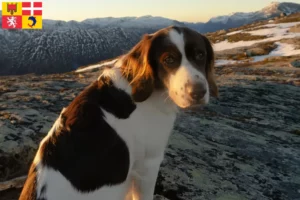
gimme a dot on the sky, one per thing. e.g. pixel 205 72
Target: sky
pixel 182 10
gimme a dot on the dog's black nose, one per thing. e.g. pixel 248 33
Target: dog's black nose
pixel 196 91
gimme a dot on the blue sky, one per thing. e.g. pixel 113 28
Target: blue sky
pixel 183 10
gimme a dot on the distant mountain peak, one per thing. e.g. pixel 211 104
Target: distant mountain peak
pixel 237 19
pixel 274 3
pixel 145 16
pixel 271 8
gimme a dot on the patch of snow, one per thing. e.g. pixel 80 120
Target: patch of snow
pixel 274 29
pixel 278 32
pixel 283 49
pixel 234 32
pixel 225 62
pixel 96 66
pixel 224 45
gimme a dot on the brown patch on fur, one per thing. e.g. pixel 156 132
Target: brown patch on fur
pixel 78 114
pixel 29 189
pixel 75 115
pixel 138 71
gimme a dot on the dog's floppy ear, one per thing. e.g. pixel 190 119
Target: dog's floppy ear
pixel 210 71
pixel 137 70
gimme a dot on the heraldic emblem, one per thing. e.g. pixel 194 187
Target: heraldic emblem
pixel 22 15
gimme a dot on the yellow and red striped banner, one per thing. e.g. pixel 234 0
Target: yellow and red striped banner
pixel 22 15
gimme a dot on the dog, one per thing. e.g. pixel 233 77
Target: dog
pixel 109 142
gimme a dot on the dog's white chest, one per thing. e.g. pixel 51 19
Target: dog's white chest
pixel 146 134
pixel 148 128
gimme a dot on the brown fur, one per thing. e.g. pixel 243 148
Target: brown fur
pixel 29 189
pixel 138 71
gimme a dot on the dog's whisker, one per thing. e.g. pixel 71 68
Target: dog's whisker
pixel 164 93
pixel 167 98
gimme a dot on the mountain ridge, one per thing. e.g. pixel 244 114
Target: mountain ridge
pixel 232 20
pixel 237 19
pixel 63 46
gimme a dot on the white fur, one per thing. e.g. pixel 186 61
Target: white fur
pixel 58 187
pixel 89 68
pixel 146 134
pixel 117 79
pixel 185 73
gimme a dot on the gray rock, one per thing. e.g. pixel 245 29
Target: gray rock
pixel 243 146
pixel 295 63
pixel 283 14
pixel 240 147
pixel 255 52
pixel 221 32
pixel 158 197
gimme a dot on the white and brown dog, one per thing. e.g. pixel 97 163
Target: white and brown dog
pixel 115 131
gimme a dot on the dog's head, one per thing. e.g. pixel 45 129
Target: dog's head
pixel 175 59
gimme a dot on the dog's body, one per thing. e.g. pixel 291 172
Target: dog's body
pixel 115 132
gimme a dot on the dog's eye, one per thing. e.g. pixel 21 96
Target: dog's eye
pixel 169 60
pixel 199 55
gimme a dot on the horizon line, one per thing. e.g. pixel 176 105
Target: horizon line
pixel 128 17
pixel 159 16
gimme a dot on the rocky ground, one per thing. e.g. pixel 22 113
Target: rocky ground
pixel 245 145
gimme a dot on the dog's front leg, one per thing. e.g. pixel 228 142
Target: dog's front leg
pixel 146 177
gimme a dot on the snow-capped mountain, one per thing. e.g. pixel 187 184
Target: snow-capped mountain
pixel 147 21
pixel 239 18
pixel 278 8
pixel 274 9
pixel 62 49
pixel 63 46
